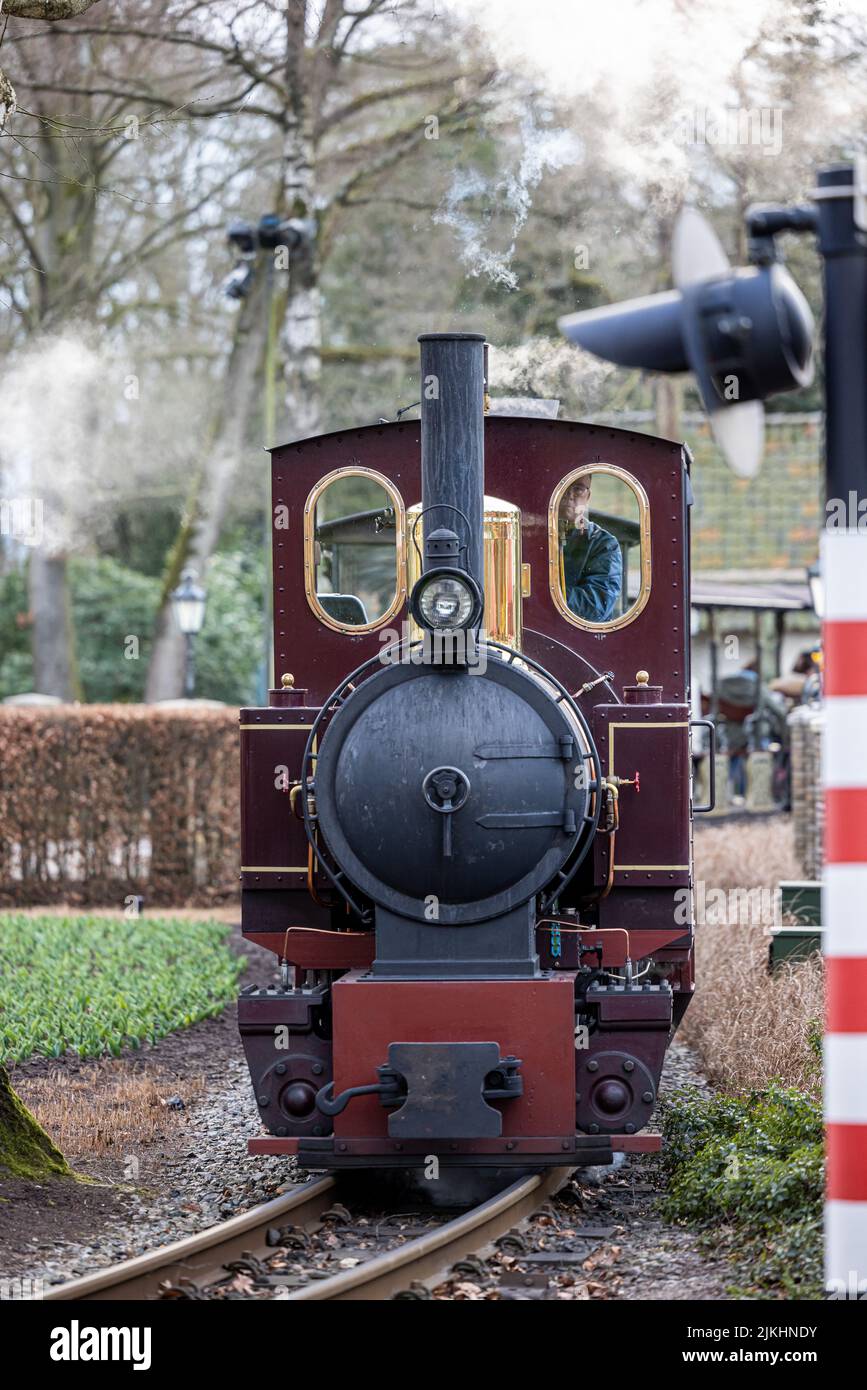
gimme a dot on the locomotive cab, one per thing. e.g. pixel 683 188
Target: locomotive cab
pixel 465 819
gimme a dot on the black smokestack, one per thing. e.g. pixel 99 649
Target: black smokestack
pixel 453 439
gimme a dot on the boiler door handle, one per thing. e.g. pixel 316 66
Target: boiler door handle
pixel 708 724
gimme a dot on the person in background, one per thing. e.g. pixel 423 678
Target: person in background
pixel 797 685
pixel 740 693
pixel 754 716
pixel 590 559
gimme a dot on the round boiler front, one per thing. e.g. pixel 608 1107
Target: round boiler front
pixel 435 785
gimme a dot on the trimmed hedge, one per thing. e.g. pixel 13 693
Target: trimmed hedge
pixel 102 802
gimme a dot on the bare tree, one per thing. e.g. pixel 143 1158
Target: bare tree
pixel 324 79
pixel 336 100
pixel 51 10
pixel 85 198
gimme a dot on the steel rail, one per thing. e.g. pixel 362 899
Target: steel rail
pixel 200 1258
pixel 429 1257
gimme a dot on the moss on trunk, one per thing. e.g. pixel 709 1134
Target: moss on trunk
pixel 25 1149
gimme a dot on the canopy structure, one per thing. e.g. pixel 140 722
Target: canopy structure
pixel 770 596
pixel 757 596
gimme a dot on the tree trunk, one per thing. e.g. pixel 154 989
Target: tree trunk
pixel 301 340
pixel 165 679
pixel 669 397
pixel 302 344
pixel 54 666
pixel 211 488
pixel 63 235
pixel 25 1149
pixel 302 323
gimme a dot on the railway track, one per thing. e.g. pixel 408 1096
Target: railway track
pixel 199 1263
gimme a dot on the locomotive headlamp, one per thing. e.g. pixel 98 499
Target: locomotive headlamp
pixel 446 600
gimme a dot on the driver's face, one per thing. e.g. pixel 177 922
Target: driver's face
pixel 576 503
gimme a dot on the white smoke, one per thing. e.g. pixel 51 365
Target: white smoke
pixel 543 368
pixel 574 48
pixel 542 150
pixel 640 75
pixel 85 429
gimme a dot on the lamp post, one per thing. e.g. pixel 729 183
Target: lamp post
pixel 284 237
pixel 188 602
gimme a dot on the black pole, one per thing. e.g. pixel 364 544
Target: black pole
pixel 714 665
pixel 779 634
pixel 190 674
pixel 844 252
pixel 453 439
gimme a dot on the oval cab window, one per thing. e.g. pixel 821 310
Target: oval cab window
pixel 354 554
pixel 599 538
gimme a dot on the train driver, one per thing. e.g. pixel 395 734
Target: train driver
pixel 590 559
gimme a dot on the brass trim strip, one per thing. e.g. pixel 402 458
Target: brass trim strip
pixel 272 869
pixel 652 868
pixel 557 594
pixel 297 727
pixel 399 547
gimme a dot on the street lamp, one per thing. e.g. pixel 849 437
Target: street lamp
pixel 188 602
pixel 817 589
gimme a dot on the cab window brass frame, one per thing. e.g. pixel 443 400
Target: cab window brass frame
pixel 557 595
pixel 399 548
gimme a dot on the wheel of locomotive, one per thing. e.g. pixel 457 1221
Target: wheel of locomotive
pixel 473 788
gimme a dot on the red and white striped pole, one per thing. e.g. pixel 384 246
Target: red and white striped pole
pixel 842 229
pixel 844 912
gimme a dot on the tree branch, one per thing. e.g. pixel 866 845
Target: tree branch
pixel 49 10
pixel 23 231
pixel 356 17
pixel 226 107
pixel 360 103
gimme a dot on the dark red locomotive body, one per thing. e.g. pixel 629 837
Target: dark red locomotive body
pixel 391 1040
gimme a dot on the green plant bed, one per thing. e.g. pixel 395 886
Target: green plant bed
pixel 750 1169
pixel 94 986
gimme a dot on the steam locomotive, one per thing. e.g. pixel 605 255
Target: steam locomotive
pixel 467 807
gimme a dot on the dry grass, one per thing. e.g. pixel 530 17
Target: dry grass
pixel 751 856
pixel 746 1025
pixel 107 1109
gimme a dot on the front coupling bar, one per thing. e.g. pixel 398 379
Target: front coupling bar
pixel 329 1104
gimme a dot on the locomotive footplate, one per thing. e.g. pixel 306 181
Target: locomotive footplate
pixel 581 1150
pixel 327 1153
